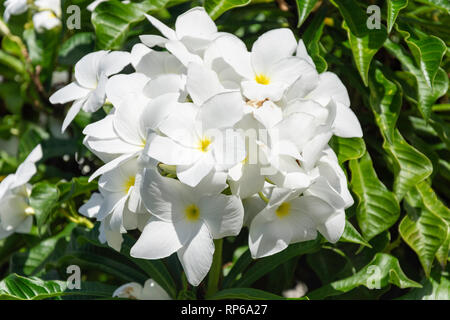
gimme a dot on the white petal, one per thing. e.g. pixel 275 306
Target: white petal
pixel 235 53
pixel 222 110
pixel 223 214
pixel 72 113
pixel 195 22
pixel 132 290
pixel 138 51
pixel 114 62
pixel 196 256
pixel 91 208
pixel 121 85
pixel 255 91
pixel 301 52
pixel 346 124
pixel 158 240
pixel 165 30
pixel 12 212
pixel 151 40
pixel 156 63
pixel 163 84
pixel 102 129
pixel 165 198
pixel 329 87
pixel 194 173
pixel 112 164
pixel 127 118
pixel 153 291
pixel 271 47
pixel 268 236
pixel 71 92
pixel 333 228
pixel 202 83
pixel 86 69
pixel 179 50
pixel 158 109
pixel 170 152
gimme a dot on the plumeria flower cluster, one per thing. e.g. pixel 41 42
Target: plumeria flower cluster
pixel 16 214
pixel 206 136
pixel 47 13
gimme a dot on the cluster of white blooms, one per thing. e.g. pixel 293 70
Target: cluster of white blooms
pixel 205 137
pixel 47 12
pixel 16 215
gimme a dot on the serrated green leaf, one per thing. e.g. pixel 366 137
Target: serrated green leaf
pixel 378 208
pixel 364 47
pixel 432 203
pixel 386 101
pixel 410 165
pixel 394 7
pixel 432 81
pixel 381 271
pixel 216 8
pixel 422 230
pixel 304 8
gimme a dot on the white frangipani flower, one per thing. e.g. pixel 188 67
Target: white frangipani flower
pixel 134 290
pixel 14 7
pixel 91 76
pixel 118 206
pixel 16 215
pixel 269 69
pixel 122 134
pixel 201 139
pixel 186 220
pixel 194 31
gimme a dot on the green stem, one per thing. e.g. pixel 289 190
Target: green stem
pixel 216 269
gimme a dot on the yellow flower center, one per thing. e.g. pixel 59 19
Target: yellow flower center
pixel 283 210
pixel 203 144
pixel 129 183
pixel 192 212
pixel 262 79
pixel 29 211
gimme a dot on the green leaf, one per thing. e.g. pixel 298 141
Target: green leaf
pixel 304 8
pixel 77 46
pixel 378 209
pixel 386 101
pixel 112 20
pixel 311 38
pixel 216 8
pixel 244 260
pixel 353 236
pixel 432 203
pixel 422 230
pixel 32 261
pixel 267 264
pixel 154 269
pixel 410 165
pixel 77 186
pixel 348 148
pixel 381 271
pixel 15 287
pixel 432 81
pixel 245 294
pixel 442 4
pixel 354 17
pixel 44 199
pixel 394 7
pixel 436 287
pixel 364 48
